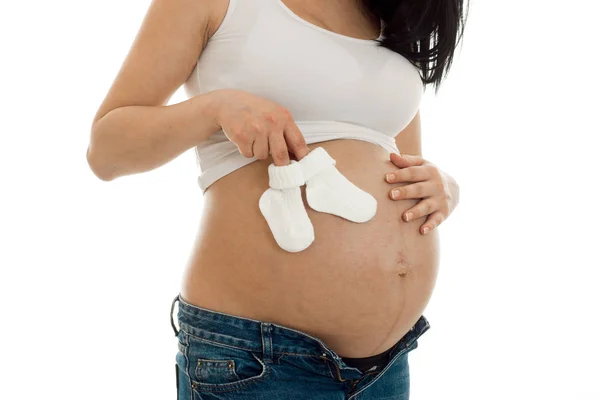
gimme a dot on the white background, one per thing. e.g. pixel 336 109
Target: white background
pixel 89 268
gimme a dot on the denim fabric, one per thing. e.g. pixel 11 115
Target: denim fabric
pixel 221 356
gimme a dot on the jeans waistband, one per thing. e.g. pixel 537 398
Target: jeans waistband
pixel 245 333
pixel 250 334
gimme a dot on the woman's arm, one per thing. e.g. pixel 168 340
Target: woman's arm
pixel 135 139
pixel 133 131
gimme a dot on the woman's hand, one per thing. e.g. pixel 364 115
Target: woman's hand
pixel 437 190
pixel 258 126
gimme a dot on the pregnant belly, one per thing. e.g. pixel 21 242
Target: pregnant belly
pixel 357 287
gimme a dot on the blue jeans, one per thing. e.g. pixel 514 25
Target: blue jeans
pixel 222 356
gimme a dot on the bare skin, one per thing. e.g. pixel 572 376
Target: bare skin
pixel 358 287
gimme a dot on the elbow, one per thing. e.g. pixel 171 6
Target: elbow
pixel 97 168
pixel 98 162
pixel 96 157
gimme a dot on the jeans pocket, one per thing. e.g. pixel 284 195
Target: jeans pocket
pixel 217 367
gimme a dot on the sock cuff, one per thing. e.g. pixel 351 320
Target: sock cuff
pixel 315 161
pixel 286 176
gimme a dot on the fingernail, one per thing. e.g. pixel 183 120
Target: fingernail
pixel 390 177
pixel 425 230
pixel 395 194
pixel 408 216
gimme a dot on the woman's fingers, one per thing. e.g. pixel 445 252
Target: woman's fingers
pixel 278 149
pixel 433 221
pixel 260 148
pixel 295 140
pixel 246 148
pixel 421 209
pixel 408 174
pixel 414 191
pixel 280 142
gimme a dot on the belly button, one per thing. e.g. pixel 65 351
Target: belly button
pixel 402 261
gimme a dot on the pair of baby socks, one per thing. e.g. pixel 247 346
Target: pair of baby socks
pixel 327 190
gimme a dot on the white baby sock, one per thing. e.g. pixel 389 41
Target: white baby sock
pixel 328 191
pixel 282 207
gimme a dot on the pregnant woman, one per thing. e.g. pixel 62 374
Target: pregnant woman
pixel 317 252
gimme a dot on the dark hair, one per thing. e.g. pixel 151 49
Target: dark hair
pixel 426 32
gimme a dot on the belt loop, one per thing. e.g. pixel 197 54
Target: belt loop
pixel 267 341
pixel 172 308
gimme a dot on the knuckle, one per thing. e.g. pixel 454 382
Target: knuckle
pixel 445 212
pixel 255 125
pixel 242 135
pixel 439 215
pixel 246 153
pixel 270 118
pixel 285 113
pixel 440 186
pixel 236 132
pixel 263 135
pixel 428 208
pixel 418 190
pixel 298 142
pixel 281 154
pixel 447 195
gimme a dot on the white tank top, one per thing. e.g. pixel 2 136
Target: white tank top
pixel 335 86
